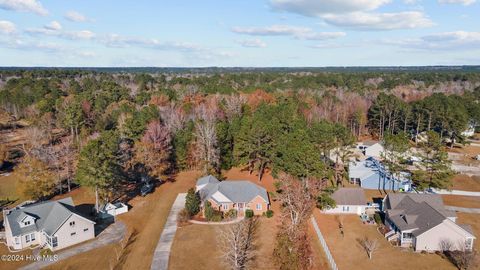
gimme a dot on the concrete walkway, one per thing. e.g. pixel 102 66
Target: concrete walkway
pixel 463 209
pixel 114 233
pixel 162 251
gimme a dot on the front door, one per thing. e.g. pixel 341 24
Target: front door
pixel 240 207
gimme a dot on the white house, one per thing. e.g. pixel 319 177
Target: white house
pixel 469 132
pixel 371 149
pixel 348 201
pixel 422 222
pixel 54 224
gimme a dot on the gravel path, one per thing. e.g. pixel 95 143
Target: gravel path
pixel 162 251
pixel 114 233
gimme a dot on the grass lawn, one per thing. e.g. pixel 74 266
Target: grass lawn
pixel 349 254
pixel 4 265
pixel 8 189
pixel 461 201
pixel 465 182
pixel 145 220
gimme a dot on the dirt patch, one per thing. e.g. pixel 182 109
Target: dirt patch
pixel 349 254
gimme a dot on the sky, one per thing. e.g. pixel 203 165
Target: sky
pixel 240 33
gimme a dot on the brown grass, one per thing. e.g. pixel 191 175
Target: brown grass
pixel 348 253
pixel 465 182
pixel 461 201
pixel 10 265
pixel 474 221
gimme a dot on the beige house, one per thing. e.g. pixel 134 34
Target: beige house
pixel 52 224
pixel 422 222
pixel 348 201
pixel 239 195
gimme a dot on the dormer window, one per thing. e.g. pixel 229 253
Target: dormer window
pixel 26 223
pixel 72 223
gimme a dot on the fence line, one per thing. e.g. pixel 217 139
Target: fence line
pixel 330 259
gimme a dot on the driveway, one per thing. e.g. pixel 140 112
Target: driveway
pixel 114 233
pixel 162 251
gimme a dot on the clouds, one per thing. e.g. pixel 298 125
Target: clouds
pixel 33 6
pixel 7 27
pixel 379 21
pixel 287 30
pixel 54 28
pixel 463 2
pixel 356 14
pixel 252 43
pixel 314 8
pixel 456 40
pixel 54 25
pixel 75 16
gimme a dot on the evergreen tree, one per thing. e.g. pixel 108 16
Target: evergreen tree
pixel 192 202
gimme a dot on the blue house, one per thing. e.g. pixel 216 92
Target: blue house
pixel 372 174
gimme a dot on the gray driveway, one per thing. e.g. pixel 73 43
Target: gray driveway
pixel 162 251
pixel 114 233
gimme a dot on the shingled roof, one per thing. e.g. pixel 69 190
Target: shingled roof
pixel 417 212
pixel 235 191
pixel 349 196
pixel 49 216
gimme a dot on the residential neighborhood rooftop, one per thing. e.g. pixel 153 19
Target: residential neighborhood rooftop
pixel 349 196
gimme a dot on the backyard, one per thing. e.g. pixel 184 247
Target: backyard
pixel 386 257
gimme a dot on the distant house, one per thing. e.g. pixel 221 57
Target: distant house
pixel 371 149
pixel 469 132
pixel 422 222
pixel 239 195
pixel 54 224
pixel 349 201
pixel 372 174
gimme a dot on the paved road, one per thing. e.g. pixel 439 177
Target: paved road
pixel 114 233
pixel 162 251
pixel 464 209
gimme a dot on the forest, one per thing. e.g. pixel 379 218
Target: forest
pixel 104 130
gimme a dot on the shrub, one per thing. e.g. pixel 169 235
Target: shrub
pixel 268 213
pixel 324 201
pixel 183 216
pixel 192 202
pixel 209 211
pixel 231 214
pixel 46 252
pixel 378 218
pixel 217 217
pixel 249 213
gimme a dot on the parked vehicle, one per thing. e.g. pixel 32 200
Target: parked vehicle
pixel 147 188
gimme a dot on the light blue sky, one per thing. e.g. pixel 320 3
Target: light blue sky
pixel 239 32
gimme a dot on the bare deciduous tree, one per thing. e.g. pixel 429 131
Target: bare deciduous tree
pixel 370 245
pixel 237 244
pixel 233 105
pixel 206 148
pixel 173 117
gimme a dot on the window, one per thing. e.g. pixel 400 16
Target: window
pixel 225 206
pixel 72 223
pixel 54 241
pixel 86 229
pixel 27 238
pixel 17 241
pixel 469 243
pixel 259 206
pixel 73 233
pixel 32 236
pixel 407 235
pixel 26 223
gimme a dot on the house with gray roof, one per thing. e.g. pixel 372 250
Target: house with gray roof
pixel 348 201
pixel 233 194
pixel 373 174
pixel 422 222
pixel 52 224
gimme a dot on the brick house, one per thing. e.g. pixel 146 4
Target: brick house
pixel 239 195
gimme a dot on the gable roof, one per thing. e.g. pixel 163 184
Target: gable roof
pixel 209 179
pixel 49 216
pixel 235 191
pixel 417 212
pixel 349 196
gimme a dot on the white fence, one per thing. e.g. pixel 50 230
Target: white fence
pixel 330 259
